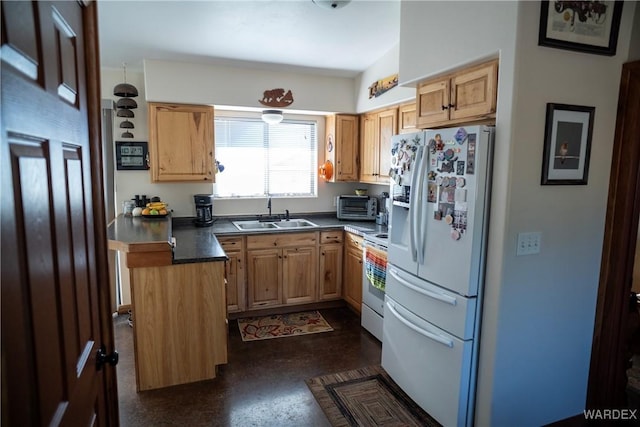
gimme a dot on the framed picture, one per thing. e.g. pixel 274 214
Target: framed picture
pixel 583 26
pixel 132 155
pixel 567 144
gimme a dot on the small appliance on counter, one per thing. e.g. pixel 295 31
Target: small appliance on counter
pixel 360 208
pixel 204 210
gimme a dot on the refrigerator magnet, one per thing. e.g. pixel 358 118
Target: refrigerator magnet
pixel 448 219
pixel 459 167
pixel 461 195
pixel 461 136
pixel 455 234
pixel 471 154
pixel 437 215
pixel 460 182
pixel 432 192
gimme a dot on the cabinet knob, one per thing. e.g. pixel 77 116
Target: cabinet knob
pixel 451 105
pixel 444 107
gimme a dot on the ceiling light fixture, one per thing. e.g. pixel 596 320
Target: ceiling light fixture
pixel 331 4
pixel 272 116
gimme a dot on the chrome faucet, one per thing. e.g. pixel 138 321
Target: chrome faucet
pixel 269 206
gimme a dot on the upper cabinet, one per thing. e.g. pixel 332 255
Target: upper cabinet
pixel 464 96
pixel 407 117
pixel 181 142
pixel 341 146
pixel 375 149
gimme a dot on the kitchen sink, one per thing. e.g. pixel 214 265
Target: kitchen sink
pixel 262 225
pixel 295 223
pixel 254 225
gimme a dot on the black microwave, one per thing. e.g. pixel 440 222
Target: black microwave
pixel 361 208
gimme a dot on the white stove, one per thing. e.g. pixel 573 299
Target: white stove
pixel 374 270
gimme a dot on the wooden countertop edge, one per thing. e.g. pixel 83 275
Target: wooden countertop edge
pixel 129 247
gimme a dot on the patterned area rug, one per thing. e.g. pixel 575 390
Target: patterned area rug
pixel 282 325
pixel 366 397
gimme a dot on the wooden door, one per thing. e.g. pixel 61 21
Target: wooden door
pixel 432 100
pixel 407 118
pixel 387 127
pixel 181 142
pixel 352 290
pixel 330 286
pixel 264 277
pixel 347 148
pixel 235 282
pixel 610 350
pixel 369 147
pixel 55 286
pixel 299 275
pixel 473 92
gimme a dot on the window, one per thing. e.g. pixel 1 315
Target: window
pixel 266 160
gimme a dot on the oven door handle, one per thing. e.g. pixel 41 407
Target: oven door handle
pixel 438 338
pixel 437 296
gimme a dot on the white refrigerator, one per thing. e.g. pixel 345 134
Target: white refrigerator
pixel 438 228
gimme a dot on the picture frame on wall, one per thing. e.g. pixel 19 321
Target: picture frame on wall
pixel 567 144
pixel 582 26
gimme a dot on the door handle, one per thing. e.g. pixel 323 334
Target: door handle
pixel 102 358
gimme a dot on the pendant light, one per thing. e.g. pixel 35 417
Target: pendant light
pixel 126 125
pixel 272 117
pixel 125 112
pixel 127 134
pixel 331 4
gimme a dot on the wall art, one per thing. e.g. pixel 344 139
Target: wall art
pixel 567 144
pixel 276 98
pixel 381 86
pixel 583 26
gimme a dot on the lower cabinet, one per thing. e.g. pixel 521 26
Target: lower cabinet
pixel 282 269
pixel 235 273
pixel 330 265
pixel 299 275
pixel 352 280
pixel 180 323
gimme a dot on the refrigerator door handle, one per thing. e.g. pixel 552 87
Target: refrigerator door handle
pixel 440 297
pixel 419 223
pixel 413 207
pixel 438 338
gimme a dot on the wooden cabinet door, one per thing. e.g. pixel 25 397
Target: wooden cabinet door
pixel 369 147
pixel 299 278
pixel 387 127
pixel 352 273
pixel 346 147
pixel 432 101
pixel 473 92
pixel 264 277
pixel 407 118
pixel 330 277
pixel 181 142
pixel 235 282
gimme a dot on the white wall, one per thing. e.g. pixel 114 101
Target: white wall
pixel 183 82
pixel 537 323
pixel 387 65
pixel 198 88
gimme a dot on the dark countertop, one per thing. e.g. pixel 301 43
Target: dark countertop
pixel 199 244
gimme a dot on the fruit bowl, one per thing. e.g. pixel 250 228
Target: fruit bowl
pixel 149 216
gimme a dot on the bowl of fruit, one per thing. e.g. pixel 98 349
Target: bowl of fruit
pixel 155 210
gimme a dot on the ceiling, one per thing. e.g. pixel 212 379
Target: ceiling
pixel 271 34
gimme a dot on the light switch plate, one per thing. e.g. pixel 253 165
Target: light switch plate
pixel 528 243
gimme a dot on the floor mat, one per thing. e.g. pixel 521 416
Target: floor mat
pixel 282 325
pixel 366 397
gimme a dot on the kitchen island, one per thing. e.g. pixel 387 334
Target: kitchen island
pixel 178 301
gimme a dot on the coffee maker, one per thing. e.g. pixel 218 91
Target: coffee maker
pixel 204 210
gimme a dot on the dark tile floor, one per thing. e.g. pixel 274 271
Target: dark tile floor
pixel 262 385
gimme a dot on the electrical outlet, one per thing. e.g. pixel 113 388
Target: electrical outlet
pixel 528 243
